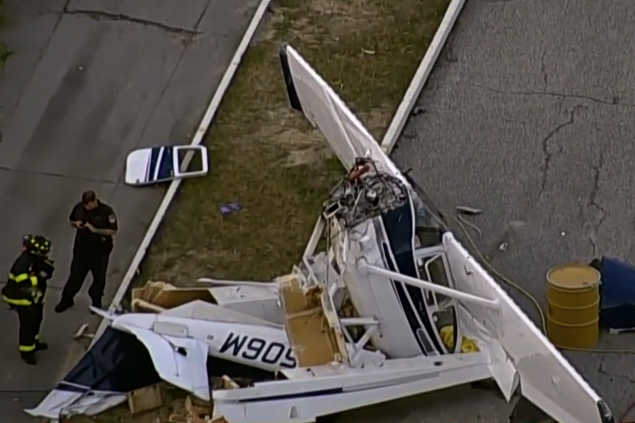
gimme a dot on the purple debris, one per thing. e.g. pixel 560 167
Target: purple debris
pixel 229 208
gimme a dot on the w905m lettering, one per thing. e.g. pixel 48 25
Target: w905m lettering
pixel 258 349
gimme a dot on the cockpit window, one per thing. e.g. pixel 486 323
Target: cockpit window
pixel 429 225
pixel 428 229
pixel 428 216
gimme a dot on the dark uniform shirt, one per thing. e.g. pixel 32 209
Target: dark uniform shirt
pixel 101 217
pixel 27 279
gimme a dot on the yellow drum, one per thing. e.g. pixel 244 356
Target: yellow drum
pixel 573 299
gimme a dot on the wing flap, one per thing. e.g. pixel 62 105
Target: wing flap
pixel 506 377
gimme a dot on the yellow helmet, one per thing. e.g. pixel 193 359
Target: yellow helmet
pixel 37 245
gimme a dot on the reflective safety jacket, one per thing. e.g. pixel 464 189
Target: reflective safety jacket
pixel 27 280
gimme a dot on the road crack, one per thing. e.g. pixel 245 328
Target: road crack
pixel 543 71
pixel 548 155
pixel 613 101
pixel 100 15
pixel 594 206
pixel 601 370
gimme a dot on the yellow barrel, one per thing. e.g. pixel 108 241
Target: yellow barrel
pixel 573 299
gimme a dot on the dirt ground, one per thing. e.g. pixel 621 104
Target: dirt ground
pixel 268 159
pixel 5 51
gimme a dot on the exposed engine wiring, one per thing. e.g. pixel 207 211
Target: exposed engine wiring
pixel 363 193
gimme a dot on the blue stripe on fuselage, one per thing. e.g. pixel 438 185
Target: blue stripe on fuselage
pixel 166 167
pixel 399 227
pixel 161 165
pixel 411 315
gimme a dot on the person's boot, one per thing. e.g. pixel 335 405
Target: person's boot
pixel 29 357
pixel 64 305
pixel 97 303
pixel 41 346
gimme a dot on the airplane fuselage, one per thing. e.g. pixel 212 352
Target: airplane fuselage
pixel 410 318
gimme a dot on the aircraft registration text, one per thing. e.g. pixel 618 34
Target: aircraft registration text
pixel 258 349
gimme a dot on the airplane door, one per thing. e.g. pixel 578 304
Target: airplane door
pixel 433 267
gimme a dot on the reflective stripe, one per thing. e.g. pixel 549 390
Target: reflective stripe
pixel 27 348
pixel 33 280
pixel 17 302
pixel 21 277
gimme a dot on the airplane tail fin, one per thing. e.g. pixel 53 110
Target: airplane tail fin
pixel 181 362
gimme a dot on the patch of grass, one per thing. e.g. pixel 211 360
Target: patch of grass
pixel 267 158
pixel 5 52
pixel 3 18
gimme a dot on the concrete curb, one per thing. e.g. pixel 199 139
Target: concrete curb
pixel 202 129
pixel 421 75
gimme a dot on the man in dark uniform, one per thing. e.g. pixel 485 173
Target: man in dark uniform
pixel 25 290
pixel 96 226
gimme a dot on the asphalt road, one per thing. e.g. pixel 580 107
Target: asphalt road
pixel 529 116
pixel 90 82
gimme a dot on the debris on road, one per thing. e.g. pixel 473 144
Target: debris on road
pixel 417 111
pixel 81 332
pixel 468 210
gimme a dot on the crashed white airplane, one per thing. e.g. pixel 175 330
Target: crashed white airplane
pixel 394 307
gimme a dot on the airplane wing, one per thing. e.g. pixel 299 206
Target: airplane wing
pixel 179 361
pixel 520 354
pixel 546 378
pixel 347 136
pixel 311 95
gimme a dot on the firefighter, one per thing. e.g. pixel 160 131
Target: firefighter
pixel 25 290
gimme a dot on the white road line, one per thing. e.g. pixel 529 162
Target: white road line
pixel 421 76
pixel 212 108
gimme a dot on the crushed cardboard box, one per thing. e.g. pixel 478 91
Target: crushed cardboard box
pixel 157 296
pixel 305 323
pixel 194 412
pixel 144 399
